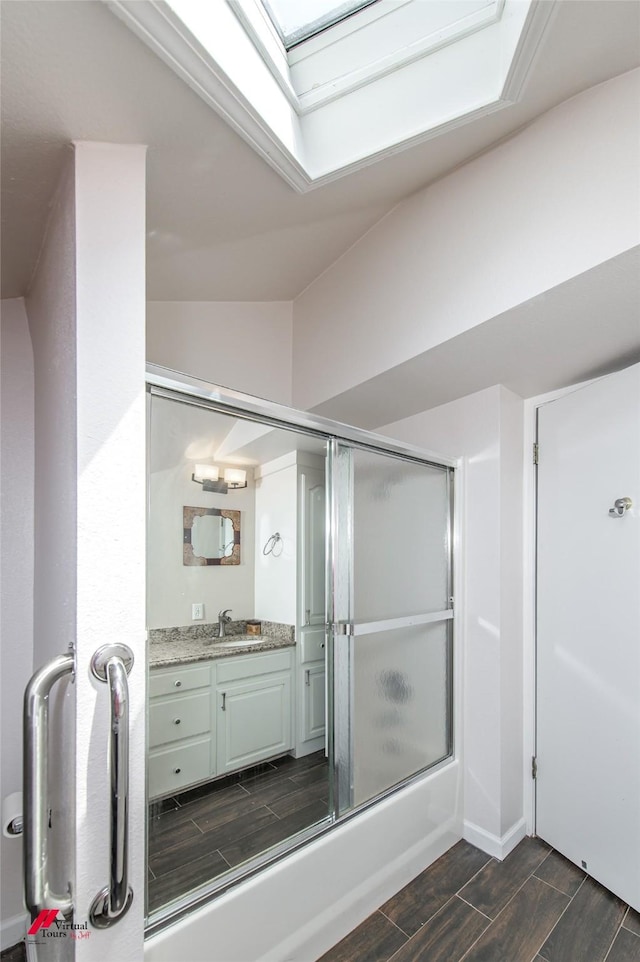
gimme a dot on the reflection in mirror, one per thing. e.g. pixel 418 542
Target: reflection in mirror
pixel 237 762
pixel 211 536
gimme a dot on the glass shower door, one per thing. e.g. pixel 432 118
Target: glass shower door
pixel 392 613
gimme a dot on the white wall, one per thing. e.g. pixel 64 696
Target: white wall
pixel 173 586
pixel 277 510
pixel 16 574
pixel 51 308
pixel 485 429
pixel 551 203
pixel 246 346
pixel 86 315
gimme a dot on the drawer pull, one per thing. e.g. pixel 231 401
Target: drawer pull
pixel 307 677
pixel 176 721
pixel 177 770
pixel 224 701
pixel 178 684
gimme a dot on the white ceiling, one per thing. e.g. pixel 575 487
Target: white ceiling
pixel 221 223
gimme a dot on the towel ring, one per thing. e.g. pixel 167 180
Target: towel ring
pixel 273 543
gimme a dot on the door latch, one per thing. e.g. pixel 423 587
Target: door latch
pixel 620 506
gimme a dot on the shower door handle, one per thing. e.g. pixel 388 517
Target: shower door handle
pixel 37 891
pixel 112 664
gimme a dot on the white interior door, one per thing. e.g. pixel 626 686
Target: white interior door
pixel 588 637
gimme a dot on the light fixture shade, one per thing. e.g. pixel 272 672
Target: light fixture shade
pixel 235 477
pixel 206 472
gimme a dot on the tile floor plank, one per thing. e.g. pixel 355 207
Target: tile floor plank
pixel 522 926
pixel 166 835
pixel 632 921
pixel 625 948
pixel 587 928
pixel 185 878
pixel 498 882
pixel 418 901
pixel 16 953
pixel 207 820
pixel 561 873
pixel 447 936
pixel 282 828
pixel 311 775
pixel 374 940
pixel 171 858
pixel 291 803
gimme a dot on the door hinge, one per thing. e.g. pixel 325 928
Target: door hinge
pixel 534 766
pixel 536 452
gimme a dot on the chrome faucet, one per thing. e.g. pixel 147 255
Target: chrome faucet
pixel 223 619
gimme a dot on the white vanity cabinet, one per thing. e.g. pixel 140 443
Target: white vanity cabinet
pixel 253 709
pixel 218 716
pixel 181 747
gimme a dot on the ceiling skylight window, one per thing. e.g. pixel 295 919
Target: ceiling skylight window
pixel 296 21
pixel 396 73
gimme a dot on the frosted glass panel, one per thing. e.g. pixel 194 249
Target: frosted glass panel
pixel 400 537
pixel 401 706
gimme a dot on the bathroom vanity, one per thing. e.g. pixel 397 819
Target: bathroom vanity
pixel 217 707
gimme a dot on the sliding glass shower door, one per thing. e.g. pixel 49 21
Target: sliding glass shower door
pixel 391 618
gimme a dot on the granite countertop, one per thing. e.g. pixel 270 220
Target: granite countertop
pixel 163 653
pixel 189 644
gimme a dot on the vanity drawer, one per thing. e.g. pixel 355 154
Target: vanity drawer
pixel 247 666
pixel 175 680
pixel 174 719
pixel 175 768
pixel 312 646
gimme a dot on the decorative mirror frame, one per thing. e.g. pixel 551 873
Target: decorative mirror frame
pixel 188 515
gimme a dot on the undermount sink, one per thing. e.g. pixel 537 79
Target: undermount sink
pixel 238 642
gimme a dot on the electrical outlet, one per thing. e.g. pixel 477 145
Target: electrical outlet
pixel 197 611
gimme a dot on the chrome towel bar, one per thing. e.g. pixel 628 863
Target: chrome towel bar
pixel 37 891
pixel 111 664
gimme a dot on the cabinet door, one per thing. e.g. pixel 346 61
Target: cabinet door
pixel 313 548
pixel 173 769
pixel 254 721
pixel 314 701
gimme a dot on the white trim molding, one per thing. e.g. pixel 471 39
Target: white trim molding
pixel 340 120
pixel 492 844
pixel 13 930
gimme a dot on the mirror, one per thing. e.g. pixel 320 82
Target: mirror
pixel 211 536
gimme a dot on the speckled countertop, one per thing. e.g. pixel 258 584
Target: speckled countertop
pixel 183 646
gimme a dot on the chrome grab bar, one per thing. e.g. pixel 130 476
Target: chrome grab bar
pixel 112 664
pixel 37 892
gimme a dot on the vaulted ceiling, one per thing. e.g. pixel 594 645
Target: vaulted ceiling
pixel 221 224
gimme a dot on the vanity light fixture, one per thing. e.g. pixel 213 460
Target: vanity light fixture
pixel 235 477
pixel 208 475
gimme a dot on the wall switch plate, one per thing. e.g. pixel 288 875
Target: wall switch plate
pixel 197 611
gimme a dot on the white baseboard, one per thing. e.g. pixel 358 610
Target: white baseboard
pixel 12 930
pixel 491 844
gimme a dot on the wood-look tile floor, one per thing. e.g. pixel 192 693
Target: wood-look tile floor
pixel 198 835
pixel 535 906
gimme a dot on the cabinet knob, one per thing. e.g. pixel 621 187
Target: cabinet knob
pixel 177 770
pixel 176 721
pixel 178 684
pixel 322 645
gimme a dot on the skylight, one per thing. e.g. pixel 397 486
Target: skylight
pixel 296 21
pixel 396 74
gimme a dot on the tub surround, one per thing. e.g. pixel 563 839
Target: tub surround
pixel 192 643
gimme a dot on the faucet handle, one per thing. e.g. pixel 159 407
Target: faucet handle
pixel 225 613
